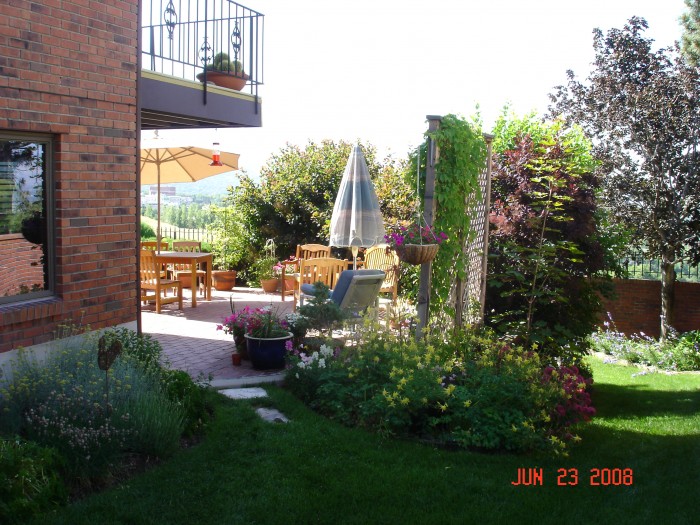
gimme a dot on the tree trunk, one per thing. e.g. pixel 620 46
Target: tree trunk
pixel 668 279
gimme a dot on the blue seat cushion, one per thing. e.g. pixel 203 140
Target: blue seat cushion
pixel 344 282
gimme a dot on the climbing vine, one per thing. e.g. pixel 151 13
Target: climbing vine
pixel 462 156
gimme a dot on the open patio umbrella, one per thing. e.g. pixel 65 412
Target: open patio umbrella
pixel 356 221
pixel 181 164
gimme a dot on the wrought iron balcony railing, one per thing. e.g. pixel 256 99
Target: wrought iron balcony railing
pixel 182 37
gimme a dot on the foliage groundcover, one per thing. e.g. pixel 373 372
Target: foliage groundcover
pixel 64 423
pixel 472 391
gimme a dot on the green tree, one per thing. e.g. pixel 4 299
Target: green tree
pixel 546 259
pixel 293 202
pixel 690 41
pixel 641 108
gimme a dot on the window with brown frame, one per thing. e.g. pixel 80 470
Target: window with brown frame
pixel 26 217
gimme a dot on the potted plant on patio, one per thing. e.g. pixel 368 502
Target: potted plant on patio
pixel 266 269
pixel 263 271
pixel 224 72
pixel 268 339
pixel 228 247
pixel 236 325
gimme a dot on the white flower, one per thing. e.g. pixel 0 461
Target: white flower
pixel 322 363
pixel 326 351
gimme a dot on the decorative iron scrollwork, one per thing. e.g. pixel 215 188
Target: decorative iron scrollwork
pixel 206 52
pixel 236 40
pixel 170 17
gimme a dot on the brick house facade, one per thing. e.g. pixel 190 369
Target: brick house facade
pixel 69 70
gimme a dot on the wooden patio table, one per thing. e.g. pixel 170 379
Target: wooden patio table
pixel 193 259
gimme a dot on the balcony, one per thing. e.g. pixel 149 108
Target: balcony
pixel 178 41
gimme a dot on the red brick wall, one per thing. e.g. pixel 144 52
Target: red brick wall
pixel 19 264
pixel 70 69
pixel 637 307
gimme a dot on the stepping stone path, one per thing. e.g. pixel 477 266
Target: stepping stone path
pixel 244 393
pixel 268 414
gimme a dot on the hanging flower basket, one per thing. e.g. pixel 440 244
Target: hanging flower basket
pixel 417 253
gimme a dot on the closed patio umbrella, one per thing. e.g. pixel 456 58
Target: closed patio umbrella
pixel 357 220
pixel 181 164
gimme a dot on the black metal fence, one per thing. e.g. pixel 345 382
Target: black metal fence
pixel 180 38
pixel 640 268
pixel 186 234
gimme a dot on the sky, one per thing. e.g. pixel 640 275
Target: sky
pixel 373 70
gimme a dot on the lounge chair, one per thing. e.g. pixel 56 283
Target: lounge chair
pixel 355 291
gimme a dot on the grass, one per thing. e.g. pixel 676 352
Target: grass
pixel 315 471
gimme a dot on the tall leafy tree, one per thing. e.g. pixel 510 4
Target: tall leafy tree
pixel 641 108
pixel 690 41
pixel 293 202
pixel 545 254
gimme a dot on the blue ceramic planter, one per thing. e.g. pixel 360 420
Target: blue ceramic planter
pixel 266 354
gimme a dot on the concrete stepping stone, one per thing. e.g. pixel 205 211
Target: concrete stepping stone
pixel 272 415
pixel 244 393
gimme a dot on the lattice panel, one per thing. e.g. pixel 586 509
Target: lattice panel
pixel 475 250
pixel 476 206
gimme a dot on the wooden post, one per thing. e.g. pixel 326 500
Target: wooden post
pixel 487 202
pixel 428 216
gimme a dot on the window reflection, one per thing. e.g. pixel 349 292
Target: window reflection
pixel 24 239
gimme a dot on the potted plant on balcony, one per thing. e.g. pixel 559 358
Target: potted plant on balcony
pixel 224 72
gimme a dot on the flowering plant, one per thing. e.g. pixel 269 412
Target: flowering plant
pixel 258 322
pixel 414 234
pixel 237 322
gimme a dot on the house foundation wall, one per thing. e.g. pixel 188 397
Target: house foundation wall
pixel 70 70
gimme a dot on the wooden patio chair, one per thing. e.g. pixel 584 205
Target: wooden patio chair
pixel 289 281
pixel 153 245
pixel 312 251
pixel 152 281
pixel 179 270
pixel 377 258
pixel 324 269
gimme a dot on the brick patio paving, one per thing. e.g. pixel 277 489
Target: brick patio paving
pixel 192 343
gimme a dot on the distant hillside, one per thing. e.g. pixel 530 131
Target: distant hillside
pixel 215 186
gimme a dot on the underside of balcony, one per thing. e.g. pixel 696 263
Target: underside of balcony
pixel 169 102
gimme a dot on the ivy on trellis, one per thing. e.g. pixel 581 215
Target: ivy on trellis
pixel 462 156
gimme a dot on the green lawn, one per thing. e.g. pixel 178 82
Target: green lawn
pixel 314 471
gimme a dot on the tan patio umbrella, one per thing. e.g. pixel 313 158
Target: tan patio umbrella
pixel 181 164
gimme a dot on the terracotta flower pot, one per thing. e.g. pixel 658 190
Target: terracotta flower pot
pixel 269 285
pixel 236 359
pixel 226 80
pixel 223 280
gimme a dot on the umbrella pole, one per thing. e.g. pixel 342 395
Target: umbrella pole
pixel 158 228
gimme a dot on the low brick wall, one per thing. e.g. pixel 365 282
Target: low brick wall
pixel 637 307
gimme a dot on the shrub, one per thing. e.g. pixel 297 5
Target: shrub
pixel 473 391
pixel 193 398
pixel 676 353
pixel 66 402
pixel 147 231
pixel 31 483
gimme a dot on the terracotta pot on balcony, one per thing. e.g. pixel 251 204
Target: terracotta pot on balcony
pixel 226 80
